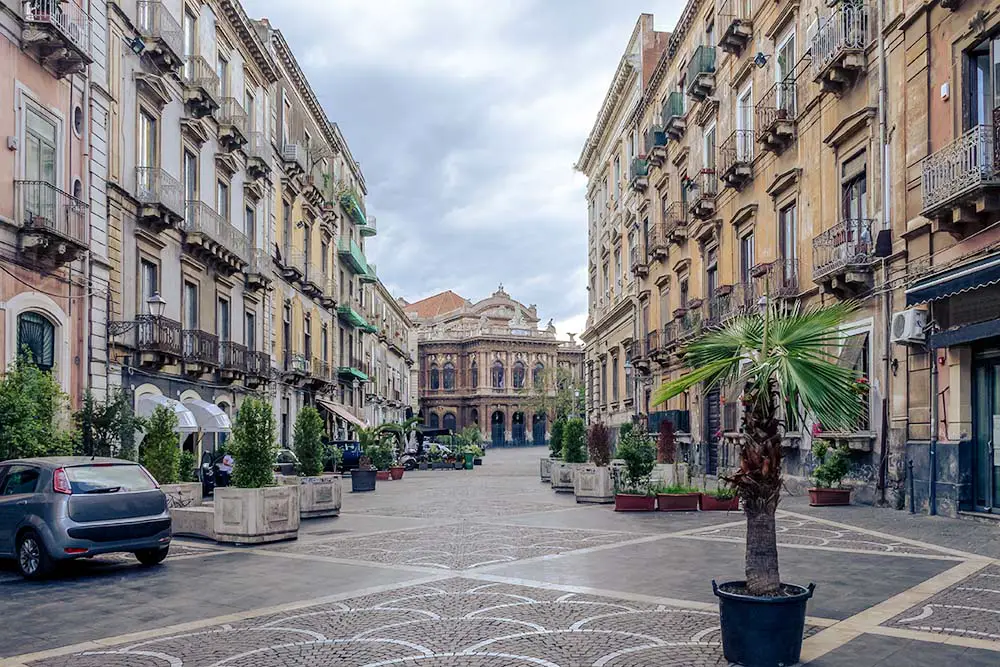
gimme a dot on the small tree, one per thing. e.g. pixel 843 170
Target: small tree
pixel 574 442
pixel 666 443
pixel 556 440
pixel 308 438
pixel 187 467
pixel 834 463
pixel 108 428
pixel 599 444
pixel 639 455
pixel 31 402
pixel 254 445
pixel 160 451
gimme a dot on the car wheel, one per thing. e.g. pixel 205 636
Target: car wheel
pixel 33 560
pixel 149 557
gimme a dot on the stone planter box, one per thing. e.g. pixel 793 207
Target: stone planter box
pixel 562 476
pixel 545 468
pixel 628 502
pixel 423 465
pixel 829 497
pixel 320 496
pixel 439 465
pixel 185 494
pixel 593 484
pixel 678 502
pixel 195 521
pixel 663 473
pixel 255 516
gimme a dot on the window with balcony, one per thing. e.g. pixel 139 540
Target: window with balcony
pixel 223 320
pixel 222 200
pixel 682 288
pixel 190 36
pixel 148 145
pixel 286 119
pixel 618 178
pixel 474 375
pixel 222 70
pixel 664 306
pixel 614 378
pixel 324 341
pixel 607 282
pixel 250 224
pixel 618 271
pixel 518 375
pixel 36 336
pixel 711 272
pixel 496 375
pixel 449 376
pixel 250 330
pixel 149 281
pixel 435 378
pixel 190 167
pixel 190 305
pixel 307 335
pixel 604 382
pixel 40 147
pixel 746 258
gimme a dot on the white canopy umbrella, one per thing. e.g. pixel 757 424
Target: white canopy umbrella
pixel 186 421
pixel 209 416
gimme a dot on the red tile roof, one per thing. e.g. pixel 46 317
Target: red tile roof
pixel 445 302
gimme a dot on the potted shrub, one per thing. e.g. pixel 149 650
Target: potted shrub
pixel 677 498
pixel 632 487
pixel 778 358
pixel 573 454
pixel 723 499
pixel 593 482
pixel 834 462
pixel 555 449
pixel 380 455
pixel 252 509
pixel 396 470
pixel 319 494
pixel 364 477
pixel 473 438
pixel 477 455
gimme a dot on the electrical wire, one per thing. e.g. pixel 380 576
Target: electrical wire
pixel 57 296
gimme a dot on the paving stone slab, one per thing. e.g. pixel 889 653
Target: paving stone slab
pixel 970 608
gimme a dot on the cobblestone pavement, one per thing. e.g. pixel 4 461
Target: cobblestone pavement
pixel 109 562
pixel 970 608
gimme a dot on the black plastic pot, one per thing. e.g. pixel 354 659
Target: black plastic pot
pixel 762 632
pixel 362 480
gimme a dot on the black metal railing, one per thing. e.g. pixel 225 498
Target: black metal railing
pixel 848 243
pixel 668 335
pixel 654 137
pixel 690 323
pixel 779 103
pixel 259 364
pixel 652 342
pixel 157 334
pixel 296 363
pixel 154 185
pixel 200 346
pixel 232 356
pixel 736 151
pixel 779 278
pixel 44 207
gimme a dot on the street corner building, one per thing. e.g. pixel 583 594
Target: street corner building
pixel 488 365
pixel 804 154
pixel 181 219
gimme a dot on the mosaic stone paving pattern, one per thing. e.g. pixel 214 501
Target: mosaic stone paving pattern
pixel 458 546
pixel 794 531
pixel 970 608
pixel 454 623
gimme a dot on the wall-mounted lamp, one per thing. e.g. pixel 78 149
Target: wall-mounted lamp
pixel 135 45
pixel 760 59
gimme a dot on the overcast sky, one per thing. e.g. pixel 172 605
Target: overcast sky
pixel 467 117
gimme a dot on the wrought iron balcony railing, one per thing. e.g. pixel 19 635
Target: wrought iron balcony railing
pixel 231 113
pixel 658 240
pixel 42 207
pixel 701 66
pixel 202 219
pixel 673 107
pixel 155 186
pixel 779 278
pixel 154 22
pixel 736 151
pixel 847 30
pixel 779 103
pixel 960 168
pixel 296 363
pixel 200 347
pixel 849 243
pixel 67 18
pixel 259 364
pixel 233 356
pixel 157 334
pixel 675 216
pixel 689 324
pixel 199 73
pixel 654 137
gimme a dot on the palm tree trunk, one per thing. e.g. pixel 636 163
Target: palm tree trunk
pixel 762 554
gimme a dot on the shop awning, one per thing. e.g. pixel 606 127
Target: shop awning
pixel 186 422
pixel 339 411
pixel 965 278
pixel 210 417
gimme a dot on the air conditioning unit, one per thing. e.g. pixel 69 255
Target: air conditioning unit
pixel 908 327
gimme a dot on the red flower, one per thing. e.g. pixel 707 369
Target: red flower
pixel 817 429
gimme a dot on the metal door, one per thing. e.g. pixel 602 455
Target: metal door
pixel 713 427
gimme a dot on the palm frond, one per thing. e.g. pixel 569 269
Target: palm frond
pixel 711 373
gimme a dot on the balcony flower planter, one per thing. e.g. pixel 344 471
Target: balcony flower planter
pixel 256 516
pixel 678 502
pixel 362 480
pixel 382 476
pixel 746 618
pixel 396 472
pixel 630 502
pixel 710 503
pixel 829 497
pixel 319 496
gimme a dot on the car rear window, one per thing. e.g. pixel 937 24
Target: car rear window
pixel 85 479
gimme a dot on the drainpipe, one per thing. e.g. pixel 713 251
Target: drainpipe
pixel 932 453
pixel 883 112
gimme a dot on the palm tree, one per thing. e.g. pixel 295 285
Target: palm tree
pixel 779 359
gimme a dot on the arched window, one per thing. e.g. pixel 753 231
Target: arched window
pixel 435 378
pixel 449 421
pixel 518 375
pixel 474 375
pixel 435 423
pixel 449 376
pixel 36 337
pixel 537 375
pixel 474 416
pixel 496 375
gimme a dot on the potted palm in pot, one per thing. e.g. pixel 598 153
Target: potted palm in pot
pixel 252 510
pixel 319 494
pixel 573 454
pixel 633 481
pixel 834 462
pixel 364 477
pixel 555 449
pixel 779 358
pixel 593 482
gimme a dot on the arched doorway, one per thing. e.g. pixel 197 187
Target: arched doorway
pixel 449 422
pixel 474 416
pixel 538 425
pixel 517 430
pixel 496 429
pixel 434 421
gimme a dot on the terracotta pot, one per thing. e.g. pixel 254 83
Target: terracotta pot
pixel 382 476
pixel 710 504
pixel 627 502
pixel 829 497
pixel 396 472
pixel 677 502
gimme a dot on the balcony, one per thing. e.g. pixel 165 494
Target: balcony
pixel 213 238
pixel 201 87
pixel 674 120
pixel 838 47
pixel 258 152
pixel 729 302
pixel 351 203
pixel 232 360
pixel 58 33
pixel 350 316
pixel 655 145
pixel 778 279
pixel 162 34
pixel 294 266
pixel 960 183
pixel 701 73
pixel 703 189
pixel 675 222
pixel 294 159
pixel 658 242
pixel 639 356
pixel 312 279
pixel 350 253
pixel 296 366
pixel 638 174
pixel 736 159
pixel 735 17
pixel 842 258
pixel 688 322
pixel 669 336
pixel 157 340
pixel 329 296
pixel 351 368
pixel 199 351
pixel 637 263
pixel 160 197
pixel 320 371
pixel 234 124
pixel 653 344
pixel 369 276
pixel 258 369
pixel 776 116
pixel 370 229
pixel 259 272
pixel 54 227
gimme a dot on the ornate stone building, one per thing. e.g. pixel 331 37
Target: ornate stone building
pixel 485 364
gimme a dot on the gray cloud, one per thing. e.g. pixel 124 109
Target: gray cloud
pixel 467 116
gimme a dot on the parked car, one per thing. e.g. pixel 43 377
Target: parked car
pixel 286 462
pixel 61 508
pixel 350 453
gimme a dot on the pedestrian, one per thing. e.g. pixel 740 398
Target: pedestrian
pixel 225 469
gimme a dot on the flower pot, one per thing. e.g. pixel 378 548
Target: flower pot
pixel 255 516
pixel 382 476
pixel 396 472
pixel 745 619
pixel 677 502
pixel 829 497
pixel 469 458
pixel 362 480
pixel 562 476
pixel 712 504
pixel 629 502
pixel 592 484
pixel 319 496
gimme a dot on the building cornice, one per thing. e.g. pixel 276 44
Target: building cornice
pixel 248 35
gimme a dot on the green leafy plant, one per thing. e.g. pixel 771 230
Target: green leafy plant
pixel 574 442
pixel 31 403
pixel 625 430
pixel 108 428
pixel 834 463
pixel 723 493
pixel 556 439
pixel 254 445
pixel 160 451
pixel 332 457
pixel 186 467
pixel 473 438
pixel 778 357
pixel 677 489
pixel 380 455
pixel 639 455
pixel 599 444
pixel 308 438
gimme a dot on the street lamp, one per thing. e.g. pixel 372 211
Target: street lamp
pixel 156 305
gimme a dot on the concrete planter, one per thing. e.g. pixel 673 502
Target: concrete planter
pixel 562 476
pixel 545 468
pixel 320 496
pixel 255 516
pixel 593 484
pixel 185 494
pixel 664 473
